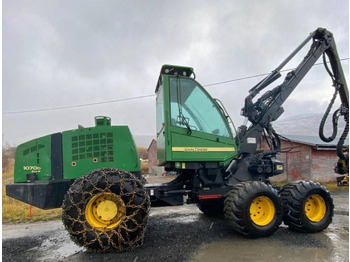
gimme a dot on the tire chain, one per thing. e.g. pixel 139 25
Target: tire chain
pixel 129 233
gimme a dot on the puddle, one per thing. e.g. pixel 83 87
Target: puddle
pixel 259 250
pixel 340 251
pixel 184 219
pixel 58 247
pixel 324 246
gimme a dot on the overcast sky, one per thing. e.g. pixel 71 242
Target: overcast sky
pixel 66 53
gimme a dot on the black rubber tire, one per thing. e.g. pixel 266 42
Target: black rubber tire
pixel 294 196
pixel 211 207
pixel 129 232
pixel 237 208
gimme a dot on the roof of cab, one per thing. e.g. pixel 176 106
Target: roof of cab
pixel 175 71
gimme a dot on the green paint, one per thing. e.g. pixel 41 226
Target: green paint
pixel 87 149
pixel 33 157
pixel 83 150
pixel 188 117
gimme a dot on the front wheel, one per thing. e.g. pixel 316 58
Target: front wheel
pixel 106 209
pixel 254 209
pixel 308 206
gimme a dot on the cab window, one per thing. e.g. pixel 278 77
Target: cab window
pixel 194 109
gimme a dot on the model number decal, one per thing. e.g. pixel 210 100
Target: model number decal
pixel 251 140
pixel 32 168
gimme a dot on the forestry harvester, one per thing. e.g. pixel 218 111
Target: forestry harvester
pixel 94 173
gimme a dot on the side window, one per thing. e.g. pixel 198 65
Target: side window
pixel 191 106
pixel 160 109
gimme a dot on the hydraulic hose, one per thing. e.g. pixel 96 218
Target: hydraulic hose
pixel 336 113
pixel 341 141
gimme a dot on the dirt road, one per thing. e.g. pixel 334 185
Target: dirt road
pixel 185 234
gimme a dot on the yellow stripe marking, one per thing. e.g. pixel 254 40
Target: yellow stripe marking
pixel 203 149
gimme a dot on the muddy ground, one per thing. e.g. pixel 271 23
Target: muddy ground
pixel 185 234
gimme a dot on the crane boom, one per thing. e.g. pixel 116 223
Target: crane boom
pixel 268 107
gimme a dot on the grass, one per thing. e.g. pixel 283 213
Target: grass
pixel 332 187
pixel 17 211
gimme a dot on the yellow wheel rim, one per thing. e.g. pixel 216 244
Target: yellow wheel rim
pixel 105 210
pixel 315 208
pixel 262 211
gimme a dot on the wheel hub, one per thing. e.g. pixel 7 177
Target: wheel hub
pixel 262 211
pixel 315 208
pixel 105 210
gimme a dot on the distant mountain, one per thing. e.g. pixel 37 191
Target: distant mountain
pixel 307 124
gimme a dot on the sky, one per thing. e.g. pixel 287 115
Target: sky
pixel 68 54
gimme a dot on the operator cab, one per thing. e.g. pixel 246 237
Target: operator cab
pixel 191 126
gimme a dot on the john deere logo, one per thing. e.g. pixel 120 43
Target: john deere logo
pixel 36 169
pixel 195 149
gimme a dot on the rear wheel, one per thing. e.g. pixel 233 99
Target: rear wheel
pixel 308 206
pixel 254 209
pixel 106 209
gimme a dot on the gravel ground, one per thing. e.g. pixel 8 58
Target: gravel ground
pixel 170 236
pixel 184 234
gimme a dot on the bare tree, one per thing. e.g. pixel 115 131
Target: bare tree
pixel 142 152
pixel 8 154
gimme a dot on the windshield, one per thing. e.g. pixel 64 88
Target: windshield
pixel 194 109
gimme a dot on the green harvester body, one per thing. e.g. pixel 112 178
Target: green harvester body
pixel 45 167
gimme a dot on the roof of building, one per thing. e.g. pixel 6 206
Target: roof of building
pixel 314 140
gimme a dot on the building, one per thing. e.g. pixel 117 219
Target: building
pixel 153 167
pixel 309 158
pixel 152 155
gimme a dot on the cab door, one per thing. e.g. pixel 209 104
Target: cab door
pixel 195 127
